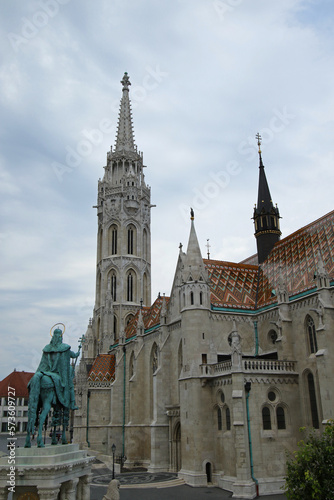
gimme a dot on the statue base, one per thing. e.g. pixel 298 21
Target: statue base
pixel 44 473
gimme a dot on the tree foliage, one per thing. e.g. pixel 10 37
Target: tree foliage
pixel 310 474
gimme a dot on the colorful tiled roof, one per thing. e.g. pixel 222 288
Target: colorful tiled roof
pixel 232 285
pixel 103 369
pixel 18 380
pixel 245 286
pixel 297 256
pixel 151 317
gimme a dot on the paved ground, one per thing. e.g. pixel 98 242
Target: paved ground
pixel 138 485
pixel 157 486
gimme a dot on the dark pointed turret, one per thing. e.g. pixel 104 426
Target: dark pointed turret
pixel 266 216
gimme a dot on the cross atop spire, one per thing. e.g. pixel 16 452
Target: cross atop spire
pixel 125 136
pixel 259 139
pixel 259 142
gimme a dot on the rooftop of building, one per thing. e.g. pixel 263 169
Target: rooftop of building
pixel 293 259
pixel 103 368
pixel 17 380
pixel 246 286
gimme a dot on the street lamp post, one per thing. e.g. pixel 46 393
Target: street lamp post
pixel 113 448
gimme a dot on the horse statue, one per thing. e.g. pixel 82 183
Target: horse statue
pixel 52 387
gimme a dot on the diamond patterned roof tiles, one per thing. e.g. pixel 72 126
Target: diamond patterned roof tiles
pixel 297 257
pixel 232 285
pixel 103 369
pixel 151 317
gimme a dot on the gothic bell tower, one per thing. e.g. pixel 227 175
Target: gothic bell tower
pixel 123 273
pixel 266 216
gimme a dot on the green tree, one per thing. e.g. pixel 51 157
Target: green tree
pixel 310 474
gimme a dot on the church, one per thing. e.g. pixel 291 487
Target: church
pixel 215 380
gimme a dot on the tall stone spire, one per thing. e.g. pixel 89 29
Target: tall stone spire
pixel 123 274
pixel 124 136
pixel 266 216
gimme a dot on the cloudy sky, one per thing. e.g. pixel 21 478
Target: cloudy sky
pixel 206 76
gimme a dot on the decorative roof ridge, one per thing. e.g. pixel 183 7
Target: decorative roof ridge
pixel 207 262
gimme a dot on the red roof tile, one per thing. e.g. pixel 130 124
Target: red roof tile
pixel 297 256
pixel 18 380
pixel 151 317
pixel 103 368
pixel 232 285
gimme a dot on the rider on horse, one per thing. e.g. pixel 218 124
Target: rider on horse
pixel 54 376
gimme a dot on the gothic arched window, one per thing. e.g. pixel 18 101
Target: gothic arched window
pixel 129 294
pixel 112 239
pixel 145 244
pixel 132 365
pixel 313 401
pixel 99 245
pixel 180 358
pixel 280 417
pixel 130 240
pixel 228 418
pixel 312 335
pixel 266 420
pixel 129 318
pixel 192 298
pixel 155 358
pixel 113 286
pixel 219 419
pixel 145 293
pixel 272 336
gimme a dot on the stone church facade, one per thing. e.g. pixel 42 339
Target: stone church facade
pixel 214 381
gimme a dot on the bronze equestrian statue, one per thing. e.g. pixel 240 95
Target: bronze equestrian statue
pixel 52 387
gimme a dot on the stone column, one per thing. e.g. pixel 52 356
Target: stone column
pixel 48 493
pixel 69 490
pixel 84 487
pixel 244 486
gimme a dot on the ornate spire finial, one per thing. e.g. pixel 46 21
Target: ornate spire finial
pixel 259 139
pixel 192 215
pixel 124 136
pixel 208 247
pixel 125 81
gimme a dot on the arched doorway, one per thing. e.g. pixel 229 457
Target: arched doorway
pixel 208 470
pixel 177 448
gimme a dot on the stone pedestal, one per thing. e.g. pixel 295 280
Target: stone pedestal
pixel 46 472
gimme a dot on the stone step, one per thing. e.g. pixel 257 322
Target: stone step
pixel 163 484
